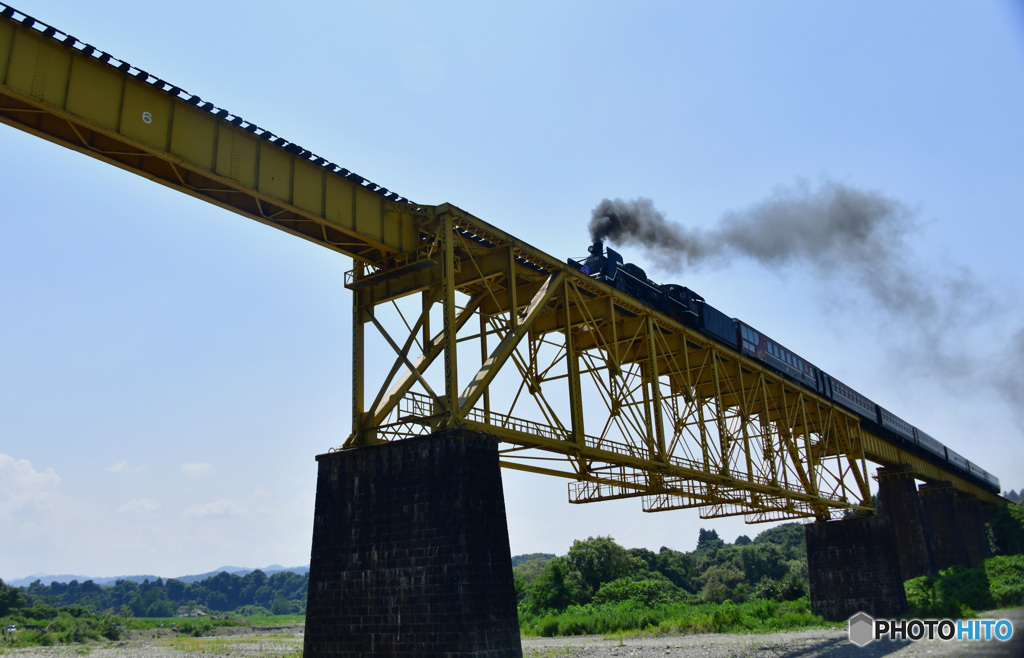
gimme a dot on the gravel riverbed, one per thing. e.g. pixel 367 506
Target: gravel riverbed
pixel 287 641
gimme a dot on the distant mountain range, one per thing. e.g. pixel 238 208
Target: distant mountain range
pixel 46 579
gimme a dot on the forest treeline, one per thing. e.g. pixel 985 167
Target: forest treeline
pixel 596 576
pixel 774 565
pixel 599 570
pixel 256 593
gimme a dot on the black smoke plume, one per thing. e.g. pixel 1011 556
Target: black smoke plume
pixel 834 229
pixel 850 240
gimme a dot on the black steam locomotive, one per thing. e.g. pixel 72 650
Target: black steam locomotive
pixel 689 308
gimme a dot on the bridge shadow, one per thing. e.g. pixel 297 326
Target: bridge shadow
pixel 842 646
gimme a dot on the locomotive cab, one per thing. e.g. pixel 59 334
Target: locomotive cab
pixel 597 264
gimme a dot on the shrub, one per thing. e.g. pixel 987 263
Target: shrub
pixel 726 617
pixel 252 611
pixel 1006 579
pixel 768 588
pixel 966 585
pixel 548 627
pixel 648 592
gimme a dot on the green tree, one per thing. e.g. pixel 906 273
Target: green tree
pixel 678 567
pixel 1006 530
pixel 789 537
pixel 648 593
pixel 600 560
pixel 763 560
pixel 10 598
pixel 530 570
pixel 768 588
pixel 721 582
pixel 550 591
pixel 708 540
pixel 281 606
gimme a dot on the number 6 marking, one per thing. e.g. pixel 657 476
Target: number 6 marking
pixel 147 117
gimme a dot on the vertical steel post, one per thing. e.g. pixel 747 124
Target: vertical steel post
pixel 654 376
pixel 573 369
pixel 451 348
pixel 358 361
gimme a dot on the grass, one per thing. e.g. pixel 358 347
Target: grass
pixel 278 620
pixel 629 618
pixel 227 645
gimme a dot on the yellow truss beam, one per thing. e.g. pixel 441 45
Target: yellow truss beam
pixel 652 408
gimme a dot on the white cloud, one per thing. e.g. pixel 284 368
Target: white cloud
pixel 140 505
pixel 123 467
pixel 217 509
pixel 24 489
pixel 201 469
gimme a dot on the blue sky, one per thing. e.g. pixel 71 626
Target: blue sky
pixel 169 369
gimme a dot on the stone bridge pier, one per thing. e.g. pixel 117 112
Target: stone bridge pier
pixel 859 564
pixel 853 566
pixel 410 552
pixel 938 501
pixel 897 491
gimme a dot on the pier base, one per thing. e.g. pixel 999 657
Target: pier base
pixel 410 552
pixel 853 567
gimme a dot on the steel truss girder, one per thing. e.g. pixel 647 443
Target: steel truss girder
pixel 623 401
pixel 657 398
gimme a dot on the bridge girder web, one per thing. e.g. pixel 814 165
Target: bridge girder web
pixel 576 379
pixel 580 381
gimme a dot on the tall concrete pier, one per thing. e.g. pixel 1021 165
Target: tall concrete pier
pixel 947 539
pixel 853 566
pixel 901 502
pixel 410 552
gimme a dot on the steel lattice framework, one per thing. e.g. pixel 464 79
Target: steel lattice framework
pixel 488 333
pixel 581 381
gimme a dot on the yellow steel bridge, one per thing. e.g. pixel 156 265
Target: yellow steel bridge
pixel 483 330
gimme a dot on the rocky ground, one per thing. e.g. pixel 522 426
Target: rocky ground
pixel 287 641
pixel 802 644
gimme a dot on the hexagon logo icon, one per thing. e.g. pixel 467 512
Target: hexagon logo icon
pixel 862 629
